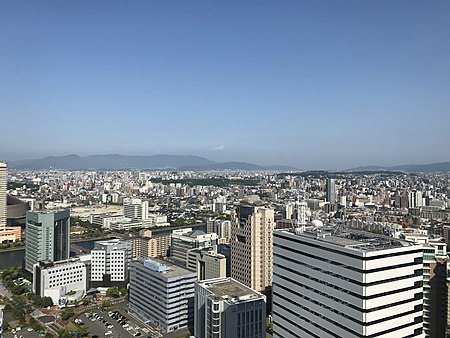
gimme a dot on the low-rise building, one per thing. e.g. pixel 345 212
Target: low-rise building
pixel 64 281
pixel 10 234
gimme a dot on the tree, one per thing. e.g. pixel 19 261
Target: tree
pixel 113 292
pixel 46 301
pixel 66 314
pixel 106 303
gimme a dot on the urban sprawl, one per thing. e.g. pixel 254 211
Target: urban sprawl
pixel 224 254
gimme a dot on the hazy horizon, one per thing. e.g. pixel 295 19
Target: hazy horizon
pixel 312 85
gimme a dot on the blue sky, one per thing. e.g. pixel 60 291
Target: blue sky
pixel 311 84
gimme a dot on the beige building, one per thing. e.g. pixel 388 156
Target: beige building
pixel 207 262
pixel 251 246
pixel 3 186
pixel 148 245
pixel 10 234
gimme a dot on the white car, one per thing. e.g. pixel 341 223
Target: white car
pixel 108 333
pixel 30 329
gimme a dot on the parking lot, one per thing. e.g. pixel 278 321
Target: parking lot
pixel 23 332
pixel 115 324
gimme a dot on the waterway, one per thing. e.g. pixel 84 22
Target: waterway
pixel 15 258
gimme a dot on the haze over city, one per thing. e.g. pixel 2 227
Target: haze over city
pixel 313 85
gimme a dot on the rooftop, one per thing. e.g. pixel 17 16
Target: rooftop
pixel 172 269
pixel 230 290
pixel 352 239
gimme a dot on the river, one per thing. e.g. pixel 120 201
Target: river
pixel 15 258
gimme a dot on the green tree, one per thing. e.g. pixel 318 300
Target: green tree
pixel 67 313
pixel 106 304
pixel 46 301
pixel 113 292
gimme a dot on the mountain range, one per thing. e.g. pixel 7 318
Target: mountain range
pixel 118 162
pixel 185 162
pixel 409 168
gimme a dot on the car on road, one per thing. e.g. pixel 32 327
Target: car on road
pixel 108 333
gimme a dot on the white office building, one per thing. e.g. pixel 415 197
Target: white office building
pixel 135 208
pixel 110 263
pixel 225 308
pixel 346 284
pixel 162 294
pixel 64 281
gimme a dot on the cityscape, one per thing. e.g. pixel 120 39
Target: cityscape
pixel 225 169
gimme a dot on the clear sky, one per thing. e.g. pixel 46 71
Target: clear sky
pixel 311 84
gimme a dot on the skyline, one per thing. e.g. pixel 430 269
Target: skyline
pixel 311 85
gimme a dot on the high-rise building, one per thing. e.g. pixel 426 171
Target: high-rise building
pixel 330 283
pixel 47 237
pixel 110 263
pixel 149 245
pixel 415 199
pixel 185 239
pixel 135 209
pixel 220 227
pixel 220 204
pixel 162 294
pixel 434 284
pixel 3 186
pixel 225 308
pixel 331 190
pixel 251 246
pixel 207 262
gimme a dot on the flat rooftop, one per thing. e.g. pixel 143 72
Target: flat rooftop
pixel 174 270
pixel 230 290
pixel 351 238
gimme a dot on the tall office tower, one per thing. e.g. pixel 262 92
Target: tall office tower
pixel 110 263
pixel 348 284
pixel 47 237
pixel 220 227
pixel 434 284
pixel 185 239
pixel 3 186
pixel 251 246
pixel 225 308
pixel 331 190
pixel 135 209
pixel 162 294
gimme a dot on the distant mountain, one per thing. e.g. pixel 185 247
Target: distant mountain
pixel 118 162
pixel 410 168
